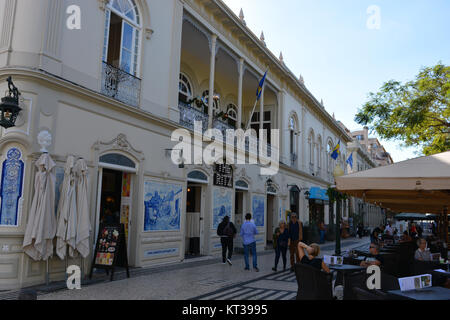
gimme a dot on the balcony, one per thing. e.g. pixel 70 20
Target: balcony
pixel 120 85
pixel 189 114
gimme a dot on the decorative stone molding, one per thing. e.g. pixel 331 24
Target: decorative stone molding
pixel 44 139
pixel 119 144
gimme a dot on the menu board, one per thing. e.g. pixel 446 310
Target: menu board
pixel 110 249
pixel 223 175
pixel 107 246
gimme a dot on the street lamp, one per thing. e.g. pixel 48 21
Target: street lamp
pixel 9 107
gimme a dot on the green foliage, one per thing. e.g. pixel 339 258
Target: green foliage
pixel 417 112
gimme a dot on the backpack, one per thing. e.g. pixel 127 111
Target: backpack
pixel 228 231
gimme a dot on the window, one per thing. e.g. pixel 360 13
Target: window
pixel 311 147
pixel 292 134
pixel 329 151
pixel 319 153
pixel 267 124
pixel 232 112
pixel 184 89
pixel 122 36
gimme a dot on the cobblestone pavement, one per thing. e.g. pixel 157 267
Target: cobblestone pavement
pixel 203 279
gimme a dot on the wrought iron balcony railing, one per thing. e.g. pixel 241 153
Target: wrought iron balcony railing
pixel 120 85
pixel 189 114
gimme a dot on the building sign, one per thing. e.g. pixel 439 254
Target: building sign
pixel 223 175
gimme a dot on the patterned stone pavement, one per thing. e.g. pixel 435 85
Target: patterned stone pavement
pixel 203 279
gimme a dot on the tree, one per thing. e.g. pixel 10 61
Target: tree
pixel 417 112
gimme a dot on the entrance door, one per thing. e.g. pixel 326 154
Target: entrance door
pixel 271 223
pixel 114 205
pixel 194 220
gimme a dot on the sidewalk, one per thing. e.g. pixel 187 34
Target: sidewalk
pixel 181 281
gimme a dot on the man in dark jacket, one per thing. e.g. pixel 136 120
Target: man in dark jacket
pixel 226 231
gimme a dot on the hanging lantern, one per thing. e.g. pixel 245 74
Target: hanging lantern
pixel 9 107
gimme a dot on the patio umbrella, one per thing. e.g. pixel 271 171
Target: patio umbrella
pixel 41 227
pixel 67 213
pixel 83 224
pixel 419 185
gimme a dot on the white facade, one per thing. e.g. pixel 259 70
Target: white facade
pixel 94 111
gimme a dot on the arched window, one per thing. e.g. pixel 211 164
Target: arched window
pixel 122 36
pixel 292 138
pixel 232 112
pixel 184 89
pixel 311 147
pixel 319 152
pixel 330 148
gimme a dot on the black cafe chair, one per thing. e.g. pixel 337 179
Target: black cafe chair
pixel 313 284
pixel 352 280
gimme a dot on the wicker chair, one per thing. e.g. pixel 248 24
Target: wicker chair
pixel 362 294
pixel 313 284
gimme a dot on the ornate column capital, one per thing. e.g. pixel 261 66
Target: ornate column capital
pixel 102 4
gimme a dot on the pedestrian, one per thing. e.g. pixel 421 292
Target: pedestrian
pixel 226 231
pixel 248 232
pixel 322 232
pixel 295 236
pixel 280 242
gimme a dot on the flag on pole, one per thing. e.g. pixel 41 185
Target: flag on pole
pixel 350 160
pixel 336 151
pixel 260 87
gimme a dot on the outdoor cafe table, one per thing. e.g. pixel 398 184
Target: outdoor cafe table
pixel 345 268
pixel 432 293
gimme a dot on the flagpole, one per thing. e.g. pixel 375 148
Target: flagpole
pixel 257 99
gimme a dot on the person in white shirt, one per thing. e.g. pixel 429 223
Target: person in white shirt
pixel 389 230
pixel 423 253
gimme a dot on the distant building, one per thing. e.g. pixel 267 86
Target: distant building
pixel 374 147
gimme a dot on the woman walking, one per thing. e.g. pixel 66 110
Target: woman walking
pixel 280 242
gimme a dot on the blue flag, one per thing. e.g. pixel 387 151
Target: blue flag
pixel 350 160
pixel 260 87
pixel 336 151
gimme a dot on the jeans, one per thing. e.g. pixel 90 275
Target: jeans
pixel 322 236
pixel 252 248
pixel 227 244
pixel 280 251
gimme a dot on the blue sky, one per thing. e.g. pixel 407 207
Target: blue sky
pixel 340 58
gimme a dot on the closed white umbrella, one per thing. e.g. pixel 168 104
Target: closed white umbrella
pixel 67 213
pixel 41 227
pixel 83 223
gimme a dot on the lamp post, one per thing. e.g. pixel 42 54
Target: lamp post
pixel 338 172
pixel 9 107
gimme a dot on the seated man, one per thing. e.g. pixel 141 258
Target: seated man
pixel 422 253
pixel 375 259
pixel 312 260
pixel 405 237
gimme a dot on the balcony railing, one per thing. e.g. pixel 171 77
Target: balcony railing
pixel 120 85
pixel 189 114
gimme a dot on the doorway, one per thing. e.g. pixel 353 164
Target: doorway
pixel 115 194
pixel 271 219
pixel 194 218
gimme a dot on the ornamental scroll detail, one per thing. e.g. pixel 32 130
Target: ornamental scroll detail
pixel 11 187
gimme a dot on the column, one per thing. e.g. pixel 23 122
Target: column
pixel 241 78
pixel 212 69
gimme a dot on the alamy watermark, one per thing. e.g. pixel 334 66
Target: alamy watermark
pixel 374 19
pixel 189 150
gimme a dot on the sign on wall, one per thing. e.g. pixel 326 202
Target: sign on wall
pixel 258 205
pixel 162 204
pixel 11 187
pixel 223 175
pixel 222 206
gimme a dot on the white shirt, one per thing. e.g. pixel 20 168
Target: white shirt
pixel 388 230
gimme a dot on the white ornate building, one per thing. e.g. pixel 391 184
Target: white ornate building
pixel 113 92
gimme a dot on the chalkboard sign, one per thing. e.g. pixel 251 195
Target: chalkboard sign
pixel 110 249
pixel 223 175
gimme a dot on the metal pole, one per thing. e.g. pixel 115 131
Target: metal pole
pixel 338 226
